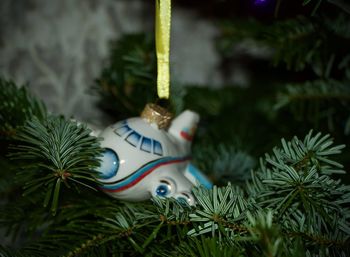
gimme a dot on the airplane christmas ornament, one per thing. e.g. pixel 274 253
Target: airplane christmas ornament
pixel 145 157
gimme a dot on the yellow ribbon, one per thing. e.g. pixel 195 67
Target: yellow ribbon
pixel 163 18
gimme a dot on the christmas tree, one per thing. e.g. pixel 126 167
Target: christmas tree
pixel 275 149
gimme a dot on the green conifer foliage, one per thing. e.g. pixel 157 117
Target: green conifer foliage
pixel 16 107
pixel 127 83
pixel 291 206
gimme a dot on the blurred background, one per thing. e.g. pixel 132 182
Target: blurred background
pixel 60 47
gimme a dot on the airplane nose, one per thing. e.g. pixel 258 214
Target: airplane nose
pixel 109 164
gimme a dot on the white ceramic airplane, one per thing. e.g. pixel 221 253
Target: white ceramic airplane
pixel 141 160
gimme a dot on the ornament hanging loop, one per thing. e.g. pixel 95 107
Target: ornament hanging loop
pixel 163 24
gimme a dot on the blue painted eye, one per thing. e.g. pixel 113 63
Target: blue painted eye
pixel 163 190
pixel 185 199
pixel 182 200
pixel 109 164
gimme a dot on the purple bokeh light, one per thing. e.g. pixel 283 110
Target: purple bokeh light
pixel 260 2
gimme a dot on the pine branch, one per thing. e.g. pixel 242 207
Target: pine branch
pixel 71 232
pixel 94 224
pixel 319 90
pixel 171 211
pixel 16 107
pixel 293 32
pixel 9 252
pixel 207 247
pixel 55 152
pixel 339 26
pixel 7 183
pixel 319 102
pixel 18 222
pixel 295 183
pixel 225 163
pixel 341 4
pixel 127 83
pixel 316 218
pixel 290 33
pixel 312 152
pixel 262 230
pixel 215 208
pixel 317 5
pixel 300 43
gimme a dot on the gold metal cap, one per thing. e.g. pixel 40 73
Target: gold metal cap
pixel 153 113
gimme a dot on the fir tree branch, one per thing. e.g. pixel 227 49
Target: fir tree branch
pixel 56 152
pixel 225 163
pixel 319 90
pixel 319 240
pixel 301 42
pixel 16 107
pixel 305 198
pixel 207 247
pixel 341 4
pixel 85 227
pixel 7 183
pixel 9 252
pixel 126 84
pixel 319 102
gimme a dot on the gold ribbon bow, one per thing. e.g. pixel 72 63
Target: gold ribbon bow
pixel 163 21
